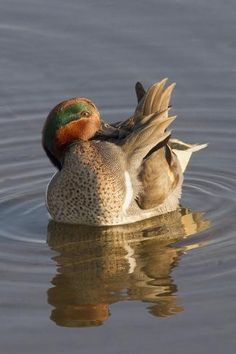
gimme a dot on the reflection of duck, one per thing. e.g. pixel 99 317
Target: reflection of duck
pixel 100 266
pixel 114 174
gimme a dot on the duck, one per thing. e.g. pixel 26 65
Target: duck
pixel 115 173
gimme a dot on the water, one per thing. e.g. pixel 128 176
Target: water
pixel 167 285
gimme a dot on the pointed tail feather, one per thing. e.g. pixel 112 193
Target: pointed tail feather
pixel 137 145
pixel 184 151
pixel 157 98
pixel 155 101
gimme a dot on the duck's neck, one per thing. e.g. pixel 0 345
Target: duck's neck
pixel 83 129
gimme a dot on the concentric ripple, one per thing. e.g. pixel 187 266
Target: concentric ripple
pixel 22 206
pixel 23 216
pixel 25 173
pixel 213 191
pixel 23 184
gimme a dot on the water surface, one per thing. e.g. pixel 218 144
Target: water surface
pixel 166 285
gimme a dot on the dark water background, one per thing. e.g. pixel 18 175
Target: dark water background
pixel 131 290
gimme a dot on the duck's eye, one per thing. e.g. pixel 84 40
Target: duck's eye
pixel 84 114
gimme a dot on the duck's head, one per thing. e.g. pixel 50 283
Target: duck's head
pixel 71 120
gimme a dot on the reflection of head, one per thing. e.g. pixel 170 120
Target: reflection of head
pixel 85 315
pixel 100 266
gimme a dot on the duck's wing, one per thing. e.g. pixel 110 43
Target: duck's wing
pixel 153 167
pixel 127 125
pixel 160 174
pixel 153 101
pixel 159 171
pixel 140 91
pixel 155 162
pixel 179 155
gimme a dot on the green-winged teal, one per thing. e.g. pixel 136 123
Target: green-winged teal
pixel 111 174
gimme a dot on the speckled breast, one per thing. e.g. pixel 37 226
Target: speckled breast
pixel 90 188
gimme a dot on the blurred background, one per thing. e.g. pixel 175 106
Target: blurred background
pixel 52 50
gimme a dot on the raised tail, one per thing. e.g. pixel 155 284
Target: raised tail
pixel 184 151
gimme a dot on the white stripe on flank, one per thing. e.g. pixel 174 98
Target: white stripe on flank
pixel 129 192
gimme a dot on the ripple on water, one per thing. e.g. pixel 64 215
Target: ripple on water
pixel 215 193
pixel 22 197
pixel 126 264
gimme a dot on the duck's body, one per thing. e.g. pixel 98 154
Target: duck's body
pixel 98 186
pixel 121 174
